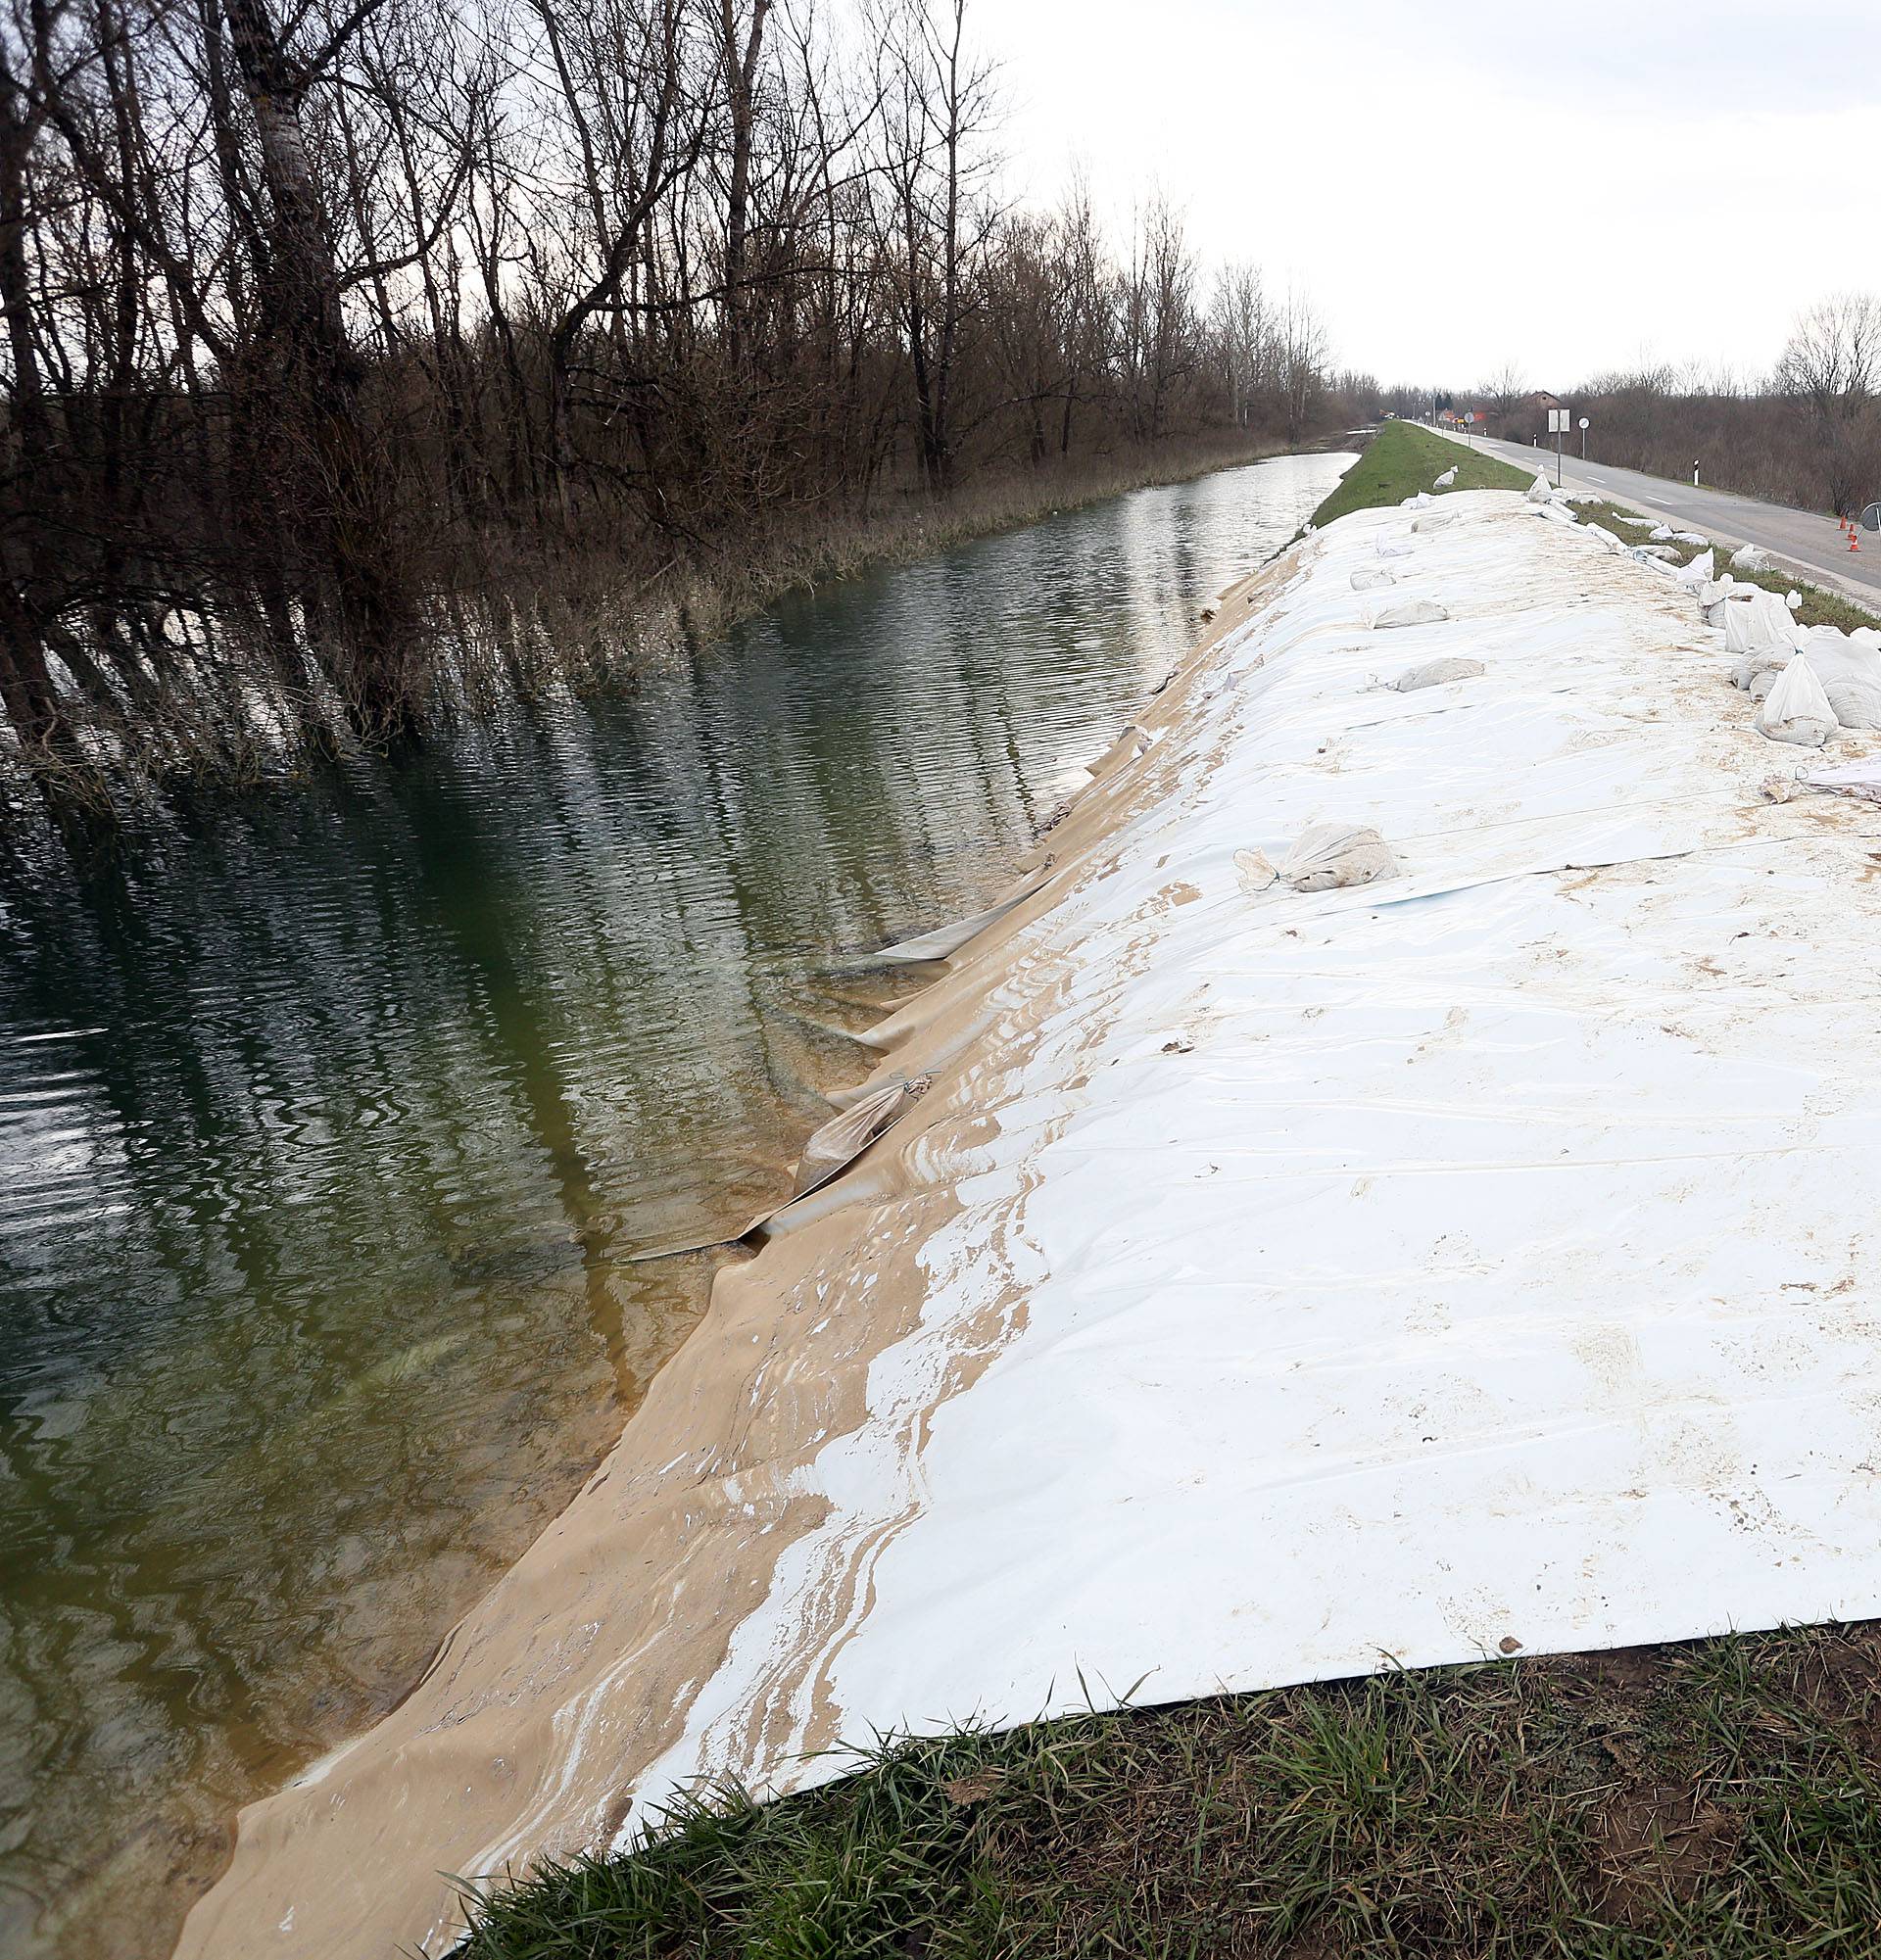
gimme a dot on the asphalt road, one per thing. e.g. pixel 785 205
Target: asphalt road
pixel 1802 539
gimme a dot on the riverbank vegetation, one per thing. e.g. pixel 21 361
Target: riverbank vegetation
pixel 1401 461
pixel 1714 1800
pixel 365 356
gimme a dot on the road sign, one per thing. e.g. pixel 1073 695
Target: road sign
pixel 1584 421
pixel 1872 517
pixel 1471 417
pixel 1557 422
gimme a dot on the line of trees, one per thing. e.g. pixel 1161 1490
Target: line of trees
pixel 1807 434
pixel 317 310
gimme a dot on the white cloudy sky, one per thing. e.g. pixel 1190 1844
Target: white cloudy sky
pixel 1461 183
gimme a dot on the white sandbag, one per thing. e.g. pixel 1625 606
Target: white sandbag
pixel 1758 624
pixel 1606 537
pixel 946 941
pixel 1866 636
pixel 1794 601
pixel 1835 656
pixel 1638 523
pixel 1796 709
pixel 845 1138
pixel 1415 502
pixel 1750 558
pixel 1560 514
pixel 1325 857
pixel 1433 672
pixel 1446 479
pixel 1689 538
pixel 1856 703
pixel 1392 547
pixel 1700 572
pixel 1664 552
pixel 1413 613
pixel 1747 671
pixel 1661 533
pixel 831 1150
pixel 1541 491
pixel 1367 577
pixel 1434 520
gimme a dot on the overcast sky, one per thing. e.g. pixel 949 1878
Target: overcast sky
pixel 1462 183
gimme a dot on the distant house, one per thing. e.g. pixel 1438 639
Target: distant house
pixel 1529 416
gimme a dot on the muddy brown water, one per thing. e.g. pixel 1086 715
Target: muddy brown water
pixel 329 1117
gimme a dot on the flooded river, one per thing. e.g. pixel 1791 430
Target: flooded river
pixel 328 1117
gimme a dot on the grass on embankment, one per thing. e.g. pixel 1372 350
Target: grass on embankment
pixel 1717 1799
pixel 1402 460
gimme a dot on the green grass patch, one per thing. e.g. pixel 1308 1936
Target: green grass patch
pixel 1717 1799
pixel 1402 460
pixel 1818 607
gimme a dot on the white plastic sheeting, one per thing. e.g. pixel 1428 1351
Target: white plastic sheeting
pixel 1491 1257
pixel 1305 1283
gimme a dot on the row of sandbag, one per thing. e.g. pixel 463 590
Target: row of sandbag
pixel 1803 679
pixel 1807 682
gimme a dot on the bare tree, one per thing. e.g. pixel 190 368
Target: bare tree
pixel 938 103
pixel 1833 364
pixel 1506 390
pixel 327 322
pixel 1304 348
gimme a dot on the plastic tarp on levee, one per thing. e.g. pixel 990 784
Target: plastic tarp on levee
pixel 1273 1284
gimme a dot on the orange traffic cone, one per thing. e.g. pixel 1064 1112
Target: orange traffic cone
pixel 1842 522
pixel 1855 536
